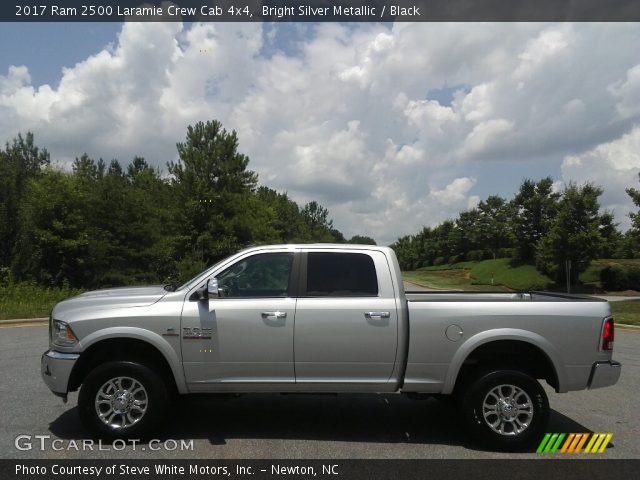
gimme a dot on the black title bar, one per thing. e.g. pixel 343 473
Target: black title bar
pixel 319 10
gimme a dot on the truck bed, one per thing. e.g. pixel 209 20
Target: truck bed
pixel 445 327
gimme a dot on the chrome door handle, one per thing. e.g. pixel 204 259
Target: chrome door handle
pixel 376 315
pixel 274 315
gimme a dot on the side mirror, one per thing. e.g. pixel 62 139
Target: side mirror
pixel 212 288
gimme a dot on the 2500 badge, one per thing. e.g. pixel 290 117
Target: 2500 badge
pixel 196 333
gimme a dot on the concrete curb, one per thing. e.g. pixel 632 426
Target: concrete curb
pixel 24 320
pixel 622 326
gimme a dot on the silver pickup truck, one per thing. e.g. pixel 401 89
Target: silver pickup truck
pixel 325 318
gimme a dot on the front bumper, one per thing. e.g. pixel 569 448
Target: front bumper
pixel 55 368
pixel 604 374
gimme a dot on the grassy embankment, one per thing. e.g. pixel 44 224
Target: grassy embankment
pixel 498 275
pixel 475 276
pixel 31 301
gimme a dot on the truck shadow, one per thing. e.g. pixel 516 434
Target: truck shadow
pixel 330 418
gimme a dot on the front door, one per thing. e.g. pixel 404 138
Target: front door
pixel 244 337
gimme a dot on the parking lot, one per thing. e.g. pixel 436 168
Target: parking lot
pixel 295 426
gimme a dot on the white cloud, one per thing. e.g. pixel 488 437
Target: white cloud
pixel 349 118
pixel 614 166
pixel 627 93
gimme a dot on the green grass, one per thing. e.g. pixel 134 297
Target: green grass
pixel 626 311
pixel 448 266
pixel 451 279
pixel 31 301
pixel 498 274
pixel 520 277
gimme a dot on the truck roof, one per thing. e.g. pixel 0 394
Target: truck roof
pixel 341 246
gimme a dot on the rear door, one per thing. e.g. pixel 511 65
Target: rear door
pixel 346 329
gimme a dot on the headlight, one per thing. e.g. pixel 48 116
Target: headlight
pixel 62 335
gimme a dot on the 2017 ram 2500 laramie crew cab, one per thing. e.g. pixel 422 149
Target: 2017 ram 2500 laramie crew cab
pixel 325 318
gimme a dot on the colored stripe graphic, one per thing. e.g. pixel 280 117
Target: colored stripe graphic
pixel 550 443
pixel 607 439
pixel 543 443
pixel 573 442
pixel 568 442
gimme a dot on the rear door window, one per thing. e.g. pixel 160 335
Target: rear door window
pixel 341 275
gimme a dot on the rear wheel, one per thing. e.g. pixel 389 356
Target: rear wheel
pixel 506 409
pixel 122 400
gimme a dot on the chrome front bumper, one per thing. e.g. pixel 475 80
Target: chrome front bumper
pixel 604 374
pixel 55 368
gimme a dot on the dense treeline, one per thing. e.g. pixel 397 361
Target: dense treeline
pixel 537 226
pixel 102 224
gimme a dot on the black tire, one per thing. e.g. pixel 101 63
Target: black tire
pixel 137 424
pixel 519 431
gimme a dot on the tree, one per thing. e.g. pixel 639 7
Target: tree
pixel 630 244
pixel 493 227
pixel 635 197
pixel 320 226
pixel 466 232
pixel 443 241
pixel 20 161
pixel 362 240
pixel 54 237
pixel 575 234
pixel 534 208
pixel 288 222
pixel 404 248
pixel 215 191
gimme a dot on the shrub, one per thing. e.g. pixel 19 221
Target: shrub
pixel 440 261
pixel 633 274
pixel 475 255
pixel 506 253
pixel 618 277
pixel 455 259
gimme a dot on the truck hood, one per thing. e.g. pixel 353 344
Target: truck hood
pixel 110 298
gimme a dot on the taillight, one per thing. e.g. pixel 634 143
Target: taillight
pixel 607 334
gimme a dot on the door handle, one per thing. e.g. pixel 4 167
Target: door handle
pixel 273 315
pixel 376 315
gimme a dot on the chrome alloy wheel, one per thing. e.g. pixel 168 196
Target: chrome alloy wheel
pixel 508 410
pixel 121 402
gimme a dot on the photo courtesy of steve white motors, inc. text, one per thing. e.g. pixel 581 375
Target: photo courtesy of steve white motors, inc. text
pixel 172 470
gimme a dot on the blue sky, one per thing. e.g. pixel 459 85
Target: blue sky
pixel 46 47
pixel 391 127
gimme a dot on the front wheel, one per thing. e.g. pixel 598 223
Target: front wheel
pixel 122 400
pixel 506 409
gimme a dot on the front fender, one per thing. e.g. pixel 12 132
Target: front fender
pixel 148 336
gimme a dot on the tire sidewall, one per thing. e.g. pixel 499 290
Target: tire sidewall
pixel 156 392
pixel 474 400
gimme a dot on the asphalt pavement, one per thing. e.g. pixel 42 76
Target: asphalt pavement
pixel 293 426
